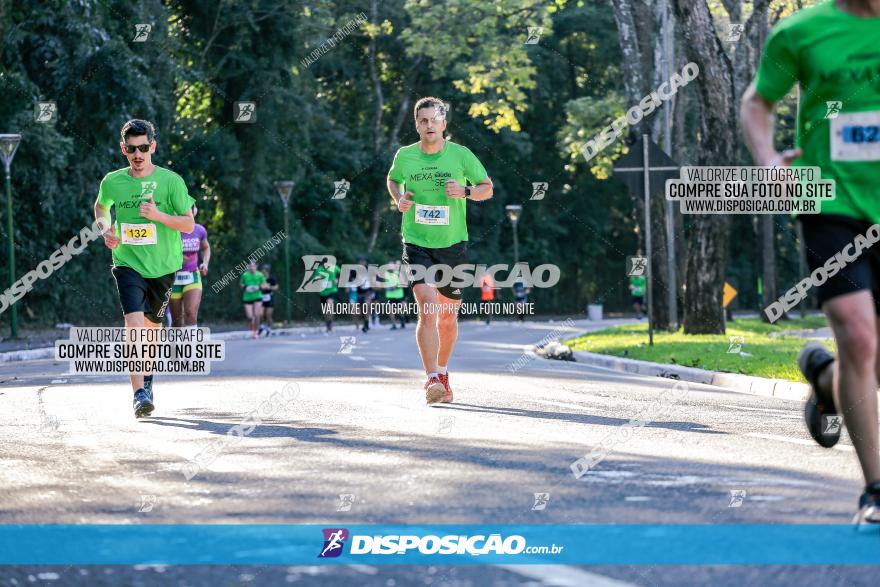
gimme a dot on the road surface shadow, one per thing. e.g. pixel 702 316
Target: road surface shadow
pixel 578 418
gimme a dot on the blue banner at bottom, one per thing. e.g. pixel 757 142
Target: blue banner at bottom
pixel 438 544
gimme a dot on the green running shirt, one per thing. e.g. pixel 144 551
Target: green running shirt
pixel 329 278
pixel 435 220
pixel 835 57
pixel 637 284
pixel 393 291
pixel 252 281
pixel 150 248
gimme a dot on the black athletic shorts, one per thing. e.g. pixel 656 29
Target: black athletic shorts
pixel 268 303
pixel 825 235
pixel 149 295
pixel 450 256
pixel 640 300
pixel 331 297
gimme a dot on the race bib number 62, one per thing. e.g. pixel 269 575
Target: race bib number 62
pixel 856 137
pixel 138 234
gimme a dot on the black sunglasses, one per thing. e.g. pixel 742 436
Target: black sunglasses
pixel 142 148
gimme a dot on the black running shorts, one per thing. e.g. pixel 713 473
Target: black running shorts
pixel 149 295
pixel 826 235
pixel 449 256
pixel 332 298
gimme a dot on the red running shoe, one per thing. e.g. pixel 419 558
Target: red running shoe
pixel 444 379
pixel 434 391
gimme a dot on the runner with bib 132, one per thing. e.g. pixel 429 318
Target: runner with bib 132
pixel 152 208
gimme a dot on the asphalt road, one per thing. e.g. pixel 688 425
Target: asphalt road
pixel 71 452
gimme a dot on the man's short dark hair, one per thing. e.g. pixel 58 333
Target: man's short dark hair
pixel 430 102
pixel 138 128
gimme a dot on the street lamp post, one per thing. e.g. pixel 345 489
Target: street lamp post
pixel 284 188
pixel 514 211
pixel 8 145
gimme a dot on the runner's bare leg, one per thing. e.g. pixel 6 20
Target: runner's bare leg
pixel 427 335
pixel 854 323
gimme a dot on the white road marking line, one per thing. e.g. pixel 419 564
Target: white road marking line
pixel 637 498
pixel 562 404
pixel 563 576
pixel 765 497
pixel 841 447
pixel 365 569
pixel 387 369
pixel 783 412
pixel 356 358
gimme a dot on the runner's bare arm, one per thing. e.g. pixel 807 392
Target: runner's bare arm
pixel 394 190
pixel 756 118
pixel 481 191
pixel 102 213
pixel 402 200
pixel 183 223
pixel 205 249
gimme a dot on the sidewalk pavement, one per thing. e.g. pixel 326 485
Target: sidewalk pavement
pixel 780 388
pixel 49 352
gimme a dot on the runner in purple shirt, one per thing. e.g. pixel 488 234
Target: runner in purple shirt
pixel 186 295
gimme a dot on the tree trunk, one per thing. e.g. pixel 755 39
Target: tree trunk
pixel 707 263
pixel 768 264
pixel 379 200
pixel 680 144
pixel 768 226
pixel 376 221
pixel 641 68
pixel 629 46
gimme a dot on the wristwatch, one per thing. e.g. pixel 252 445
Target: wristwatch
pixel 467 191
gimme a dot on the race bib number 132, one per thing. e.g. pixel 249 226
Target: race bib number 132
pixel 138 234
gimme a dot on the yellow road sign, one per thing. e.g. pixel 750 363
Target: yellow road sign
pixel 729 294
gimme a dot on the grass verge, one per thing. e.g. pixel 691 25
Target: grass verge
pixel 768 350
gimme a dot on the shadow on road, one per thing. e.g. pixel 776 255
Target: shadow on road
pixel 579 418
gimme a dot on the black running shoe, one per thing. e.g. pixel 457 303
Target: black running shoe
pixel 143 403
pixel 820 413
pixel 868 516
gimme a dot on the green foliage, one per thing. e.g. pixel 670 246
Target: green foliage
pixel 523 109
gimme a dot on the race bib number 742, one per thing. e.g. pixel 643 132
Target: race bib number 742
pixel 432 214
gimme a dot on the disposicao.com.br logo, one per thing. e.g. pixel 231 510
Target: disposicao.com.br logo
pixel 320 271
pixel 432 544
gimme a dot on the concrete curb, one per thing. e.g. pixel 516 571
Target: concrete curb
pixel 779 388
pixel 49 352
pixel 27 355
